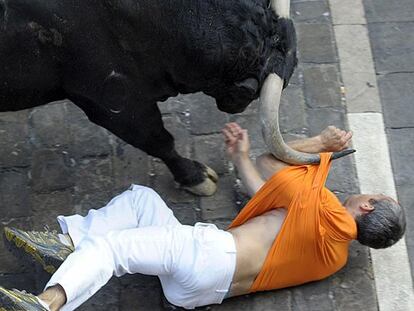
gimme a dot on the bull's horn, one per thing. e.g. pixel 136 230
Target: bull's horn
pixel 270 95
pixel 281 7
pixel 340 154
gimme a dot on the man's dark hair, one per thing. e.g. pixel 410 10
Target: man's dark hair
pixel 382 227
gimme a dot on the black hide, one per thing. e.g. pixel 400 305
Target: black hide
pixel 116 58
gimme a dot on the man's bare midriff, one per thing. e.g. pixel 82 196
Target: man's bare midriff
pixel 253 240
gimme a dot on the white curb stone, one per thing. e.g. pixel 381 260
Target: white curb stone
pixel 391 266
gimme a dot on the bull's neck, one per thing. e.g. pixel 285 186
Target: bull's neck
pixel 182 36
pixel 196 44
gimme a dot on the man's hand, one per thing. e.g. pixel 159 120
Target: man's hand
pixel 237 148
pixel 237 141
pixel 334 139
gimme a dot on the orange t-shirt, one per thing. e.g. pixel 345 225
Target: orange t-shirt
pixel 314 239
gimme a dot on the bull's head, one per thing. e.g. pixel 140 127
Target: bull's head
pixel 261 65
pixel 238 96
pixel 254 41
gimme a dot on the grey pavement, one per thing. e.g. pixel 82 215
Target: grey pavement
pixel 54 161
pixel 391 32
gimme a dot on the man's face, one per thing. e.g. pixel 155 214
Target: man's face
pixel 359 204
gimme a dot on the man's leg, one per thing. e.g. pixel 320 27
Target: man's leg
pixel 330 139
pixel 137 207
pixel 146 250
pixel 54 297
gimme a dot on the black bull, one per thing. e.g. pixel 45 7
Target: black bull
pixel 116 58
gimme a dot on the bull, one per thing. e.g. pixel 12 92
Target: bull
pixel 115 59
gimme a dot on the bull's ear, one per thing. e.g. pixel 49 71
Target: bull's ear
pixel 250 84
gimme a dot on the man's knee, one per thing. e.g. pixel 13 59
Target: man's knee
pixel 143 193
pixel 106 249
pixel 150 208
pixel 142 190
pixel 95 242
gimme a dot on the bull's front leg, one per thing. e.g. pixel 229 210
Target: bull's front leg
pixel 150 135
pixel 191 175
pixel 141 125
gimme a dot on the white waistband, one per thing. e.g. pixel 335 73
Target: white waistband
pixel 224 241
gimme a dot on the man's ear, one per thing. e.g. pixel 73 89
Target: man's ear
pixel 366 207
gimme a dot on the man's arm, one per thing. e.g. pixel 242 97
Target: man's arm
pixel 330 139
pixel 237 147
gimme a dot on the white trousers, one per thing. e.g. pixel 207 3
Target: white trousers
pixel 137 233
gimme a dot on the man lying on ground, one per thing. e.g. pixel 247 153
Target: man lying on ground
pixel 292 231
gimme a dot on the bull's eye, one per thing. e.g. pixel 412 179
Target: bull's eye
pixel 275 41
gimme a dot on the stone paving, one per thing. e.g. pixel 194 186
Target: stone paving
pixel 391 31
pixel 54 161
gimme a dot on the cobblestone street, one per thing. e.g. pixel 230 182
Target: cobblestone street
pixel 54 161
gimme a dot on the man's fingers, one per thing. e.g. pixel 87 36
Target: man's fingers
pixel 231 124
pixel 229 131
pixel 228 127
pixel 348 136
pixel 347 139
pixel 234 125
pixel 228 134
pixel 229 137
pixel 234 128
pixel 244 135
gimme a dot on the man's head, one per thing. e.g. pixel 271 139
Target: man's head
pixel 380 219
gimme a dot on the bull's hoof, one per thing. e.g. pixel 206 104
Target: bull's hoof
pixel 206 188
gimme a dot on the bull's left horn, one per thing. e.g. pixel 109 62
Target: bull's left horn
pixel 270 95
pixel 281 7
